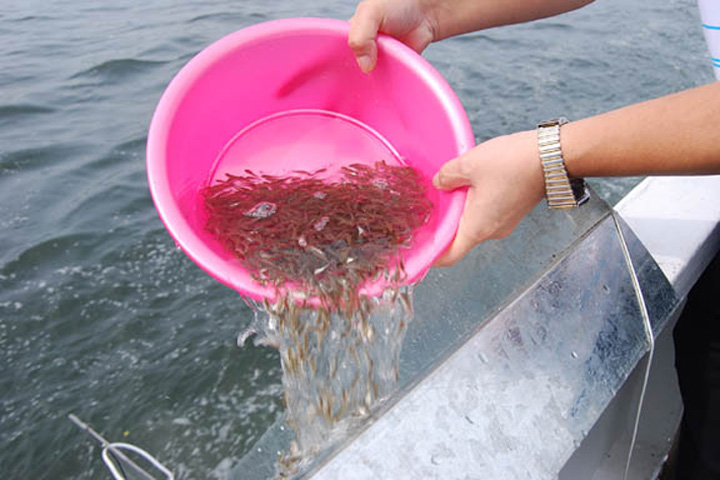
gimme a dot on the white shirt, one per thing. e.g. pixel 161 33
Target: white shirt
pixel 710 16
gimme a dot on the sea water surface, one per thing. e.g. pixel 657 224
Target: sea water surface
pixel 102 316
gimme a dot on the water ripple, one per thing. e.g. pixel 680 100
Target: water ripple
pixel 13 115
pixel 23 109
pixel 119 70
pixel 34 158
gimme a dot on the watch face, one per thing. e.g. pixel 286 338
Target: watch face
pixel 553 122
pixel 580 193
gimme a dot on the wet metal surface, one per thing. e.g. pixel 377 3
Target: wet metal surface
pixel 660 297
pixel 453 305
pixel 519 396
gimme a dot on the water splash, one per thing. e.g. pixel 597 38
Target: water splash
pixel 337 368
pixel 339 349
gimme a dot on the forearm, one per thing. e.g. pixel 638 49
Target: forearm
pixel 675 134
pixel 462 16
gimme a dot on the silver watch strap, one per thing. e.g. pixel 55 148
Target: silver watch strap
pixel 561 191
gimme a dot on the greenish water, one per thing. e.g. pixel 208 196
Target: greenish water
pixel 102 316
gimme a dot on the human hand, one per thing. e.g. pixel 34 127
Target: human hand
pixel 505 181
pixel 407 20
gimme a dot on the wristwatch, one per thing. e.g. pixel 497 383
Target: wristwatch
pixel 560 190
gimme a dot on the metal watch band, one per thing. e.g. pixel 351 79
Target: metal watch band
pixel 561 191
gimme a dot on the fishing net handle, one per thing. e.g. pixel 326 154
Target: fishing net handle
pixel 116 447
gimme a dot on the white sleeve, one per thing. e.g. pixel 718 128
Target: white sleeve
pixel 710 16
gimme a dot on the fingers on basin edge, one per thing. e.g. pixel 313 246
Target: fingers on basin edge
pixel 364 27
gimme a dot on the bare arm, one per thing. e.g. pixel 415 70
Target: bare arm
pixel 675 134
pixel 417 23
pixel 462 16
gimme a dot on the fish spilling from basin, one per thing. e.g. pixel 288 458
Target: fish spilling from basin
pixel 318 242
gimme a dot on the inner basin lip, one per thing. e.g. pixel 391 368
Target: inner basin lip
pixel 361 126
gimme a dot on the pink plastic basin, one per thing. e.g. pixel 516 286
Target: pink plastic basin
pixel 288 95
